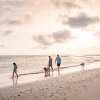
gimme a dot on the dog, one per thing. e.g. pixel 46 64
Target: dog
pixel 82 66
pixel 47 71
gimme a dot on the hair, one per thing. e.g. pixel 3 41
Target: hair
pixel 14 63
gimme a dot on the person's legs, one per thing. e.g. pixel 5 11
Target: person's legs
pixel 13 75
pixel 58 69
pixel 58 66
pixel 52 68
pixel 49 71
pixel 16 74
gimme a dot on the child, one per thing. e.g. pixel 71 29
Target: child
pixel 14 70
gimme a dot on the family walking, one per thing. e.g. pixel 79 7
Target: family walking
pixel 50 65
pixel 46 69
pixel 57 61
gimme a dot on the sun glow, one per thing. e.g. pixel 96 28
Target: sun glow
pixel 81 38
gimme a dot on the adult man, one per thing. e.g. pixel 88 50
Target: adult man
pixel 50 62
pixel 58 61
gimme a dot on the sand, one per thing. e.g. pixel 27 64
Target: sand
pixel 82 85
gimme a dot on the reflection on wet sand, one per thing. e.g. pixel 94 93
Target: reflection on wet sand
pixel 58 72
pixel 15 81
pixel 29 77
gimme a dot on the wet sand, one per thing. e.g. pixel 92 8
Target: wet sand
pixel 29 76
pixel 6 81
pixel 80 85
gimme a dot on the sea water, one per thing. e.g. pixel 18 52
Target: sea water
pixel 32 64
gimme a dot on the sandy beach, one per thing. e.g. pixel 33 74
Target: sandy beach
pixel 81 85
pixel 56 37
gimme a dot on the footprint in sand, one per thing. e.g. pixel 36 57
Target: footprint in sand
pixel 18 95
pixel 64 99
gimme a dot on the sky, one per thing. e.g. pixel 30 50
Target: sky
pixel 41 27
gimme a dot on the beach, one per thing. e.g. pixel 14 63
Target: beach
pixel 30 67
pixel 49 50
pixel 78 85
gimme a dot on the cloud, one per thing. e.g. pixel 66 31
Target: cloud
pixel 10 6
pixel 82 21
pixel 56 37
pixel 16 22
pixel 44 39
pixel 7 33
pixel 15 12
pixel 62 36
pixel 64 3
pixel 2 46
pixel 28 18
pixel 11 22
pixel 16 3
pixel 97 35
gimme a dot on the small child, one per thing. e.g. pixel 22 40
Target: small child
pixel 14 70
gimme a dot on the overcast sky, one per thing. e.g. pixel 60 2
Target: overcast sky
pixel 49 27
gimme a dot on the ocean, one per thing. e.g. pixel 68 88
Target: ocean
pixel 35 64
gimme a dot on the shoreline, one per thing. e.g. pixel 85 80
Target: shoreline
pixel 23 79
pixel 82 85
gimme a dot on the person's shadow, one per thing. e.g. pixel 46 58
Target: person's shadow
pixel 15 81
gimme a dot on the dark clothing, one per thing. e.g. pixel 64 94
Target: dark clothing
pixel 50 62
pixel 15 68
pixel 58 64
